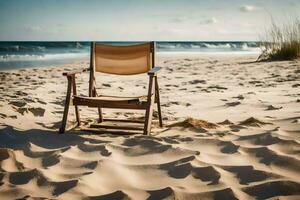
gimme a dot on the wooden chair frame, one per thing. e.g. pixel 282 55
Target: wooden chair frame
pixel 152 96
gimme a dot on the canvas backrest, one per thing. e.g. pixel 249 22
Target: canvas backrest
pixel 122 60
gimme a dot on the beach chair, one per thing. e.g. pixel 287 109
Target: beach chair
pixel 118 60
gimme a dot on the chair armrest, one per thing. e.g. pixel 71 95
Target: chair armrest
pixel 154 71
pixel 75 72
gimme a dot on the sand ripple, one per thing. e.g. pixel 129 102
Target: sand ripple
pixel 180 166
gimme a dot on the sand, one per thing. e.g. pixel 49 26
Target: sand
pixel 232 131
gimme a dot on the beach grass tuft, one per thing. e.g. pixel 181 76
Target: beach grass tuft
pixel 281 41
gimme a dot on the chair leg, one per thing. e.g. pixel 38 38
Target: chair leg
pixel 76 107
pixel 158 102
pixel 159 115
pixel 100 115
pixel 64 121
pixel 77 115
pixel 148 120
pixel 67 105
pixel 149 110
pixel 94 94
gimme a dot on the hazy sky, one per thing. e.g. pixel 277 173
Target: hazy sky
pixel 133 20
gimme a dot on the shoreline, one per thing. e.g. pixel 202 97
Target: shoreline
pixel 14 54
pixel 160 55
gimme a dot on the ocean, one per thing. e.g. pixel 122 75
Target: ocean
pixel 14 55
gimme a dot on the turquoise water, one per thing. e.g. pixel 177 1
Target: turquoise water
pixel 31 54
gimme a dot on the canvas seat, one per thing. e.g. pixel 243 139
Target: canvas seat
pixel 117 60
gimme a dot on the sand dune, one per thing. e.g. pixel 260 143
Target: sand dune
pixel 232 132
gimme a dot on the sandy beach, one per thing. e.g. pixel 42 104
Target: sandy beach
pixel 232 131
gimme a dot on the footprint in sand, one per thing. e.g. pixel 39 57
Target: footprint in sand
pixel 197 81
pixel 271 107
pixel 239 97
pixel 18 103
pixel 232 104
pixel 217 87
pixel 37 112
pixel 3 115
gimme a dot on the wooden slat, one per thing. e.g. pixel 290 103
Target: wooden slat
pixel 125 120
pixel 121 125
pixel 107 104
pixel 116 127
pixel 75 72
pixel 123 99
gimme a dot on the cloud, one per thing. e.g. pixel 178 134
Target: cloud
pixel 247 8
pixel 180 19
pixel 212 20
pixel 33 28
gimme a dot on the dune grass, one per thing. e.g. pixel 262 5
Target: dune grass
pixel 281 42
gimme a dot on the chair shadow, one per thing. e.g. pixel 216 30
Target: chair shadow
pixel 50 138
pixel 250 62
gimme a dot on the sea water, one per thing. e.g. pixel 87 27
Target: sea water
pixel 15 55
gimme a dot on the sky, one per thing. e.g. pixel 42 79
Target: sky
pixel 141 20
